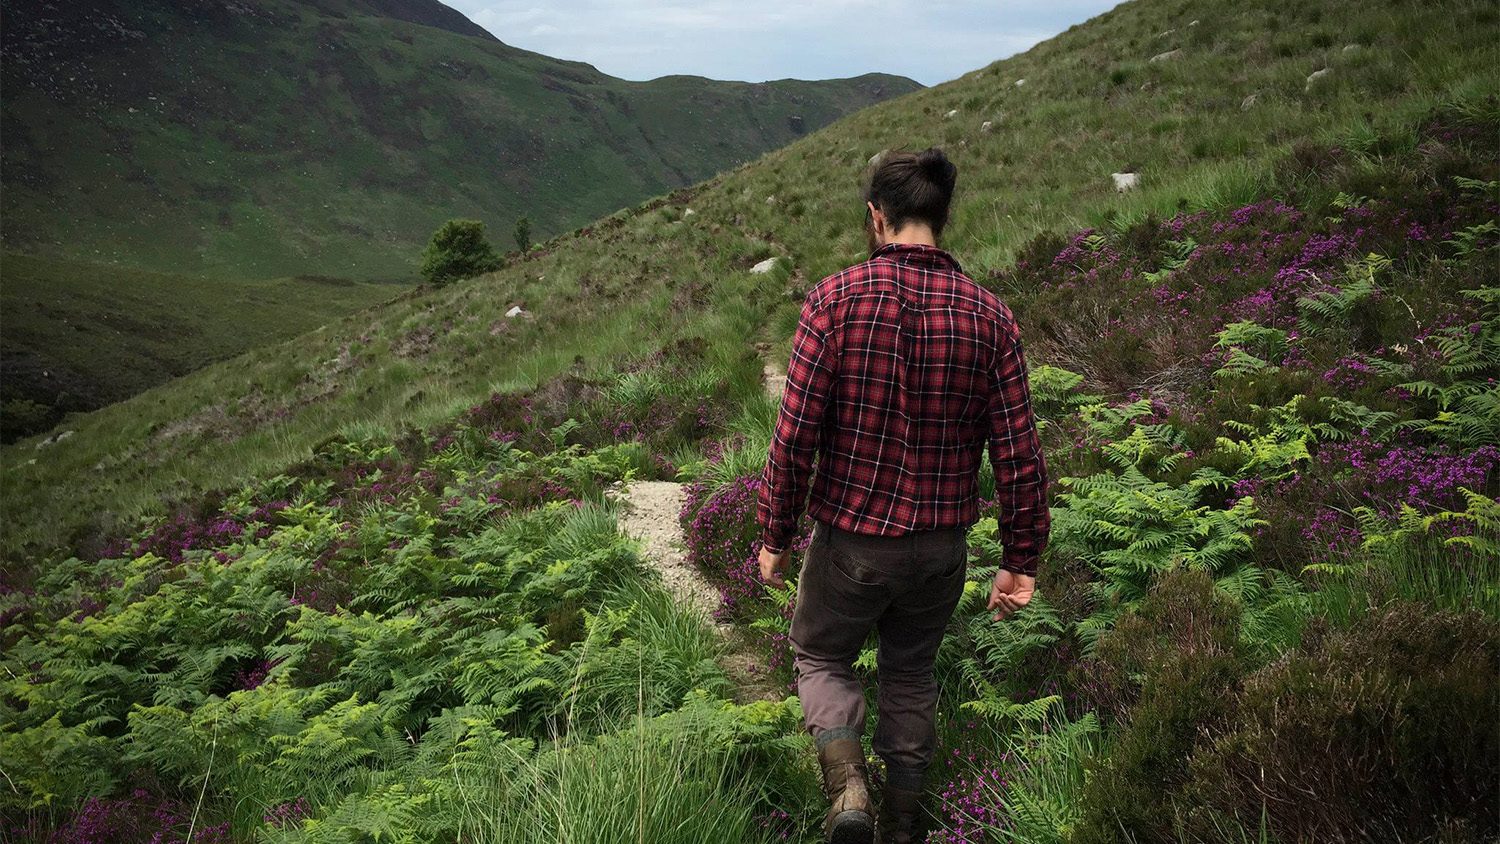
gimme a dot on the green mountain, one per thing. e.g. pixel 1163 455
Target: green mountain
pixel 278 138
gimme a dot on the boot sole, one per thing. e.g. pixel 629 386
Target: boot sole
pixel 852 827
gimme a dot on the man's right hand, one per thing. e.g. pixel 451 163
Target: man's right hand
pixel 1010 592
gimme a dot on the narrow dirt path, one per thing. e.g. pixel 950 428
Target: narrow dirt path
pixel 649 515
pixel 649 511
pixel 773 373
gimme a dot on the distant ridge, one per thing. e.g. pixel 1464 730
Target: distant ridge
pixel 424 12
pixel 276 138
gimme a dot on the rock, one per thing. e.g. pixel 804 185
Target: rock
pixel 1126 181
pixel 771 200
pixel 1192 23
pixel 514 312
pixel 951 114
pixel 55 438
pixel 1249 101
pixel 1349 48
pixel 688 213
pixel 1314 77
pixel 986 126
pixel 1020 82
pixel 1165 34
pixel 1166 57
pixel 764 266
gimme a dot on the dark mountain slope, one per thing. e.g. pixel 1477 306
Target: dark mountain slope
pixel 276 138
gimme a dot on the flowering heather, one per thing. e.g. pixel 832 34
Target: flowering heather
pixel 722 540
pixel 1349 373
pixel 777 822
pixel 255 674
pixel 1428 479
pixel 287 814
pixel 967 800
pixel 185 530
pixel 1330 532
pixel 142 817
pixel 720 532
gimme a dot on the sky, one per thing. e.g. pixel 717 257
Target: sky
pixel 932 41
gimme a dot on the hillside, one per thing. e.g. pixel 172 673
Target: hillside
pixel 1092 104
pixel 80 335
pixel 390 593
pixel 282 138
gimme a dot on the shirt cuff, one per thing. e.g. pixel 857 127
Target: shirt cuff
pixel 772 544
pixel 1020 563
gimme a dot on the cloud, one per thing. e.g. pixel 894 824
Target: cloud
pixel 777 39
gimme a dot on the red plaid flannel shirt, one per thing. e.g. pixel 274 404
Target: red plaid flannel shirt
pixel 902 371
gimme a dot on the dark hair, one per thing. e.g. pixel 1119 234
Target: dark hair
pixel 913 186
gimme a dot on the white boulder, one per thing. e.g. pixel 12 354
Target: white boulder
pixel 1166 57
pixel 764 266
pixel 688 213
pixel 987 126
pixel 55 438
pixel 951 114
pixel 514 312
pixel 1314 77
pixel 1020 82
pixel 1126 181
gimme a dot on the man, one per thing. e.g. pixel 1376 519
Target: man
pixel 903 371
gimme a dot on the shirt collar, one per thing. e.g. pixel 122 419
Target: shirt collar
pixel 917 253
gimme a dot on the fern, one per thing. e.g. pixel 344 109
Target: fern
pixel 1250 348
pixel 1333 307
pixel 1178 254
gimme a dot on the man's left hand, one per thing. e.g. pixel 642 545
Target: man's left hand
pixel 771 567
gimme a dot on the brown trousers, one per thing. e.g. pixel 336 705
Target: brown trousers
pixel 905 588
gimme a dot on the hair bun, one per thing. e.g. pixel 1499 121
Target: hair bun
pixel 937 168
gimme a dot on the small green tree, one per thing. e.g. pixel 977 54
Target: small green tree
pixel 523 234
pixel 458 250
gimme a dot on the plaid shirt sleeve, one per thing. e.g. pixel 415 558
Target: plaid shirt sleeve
pixel 810 375
pixel 1016 455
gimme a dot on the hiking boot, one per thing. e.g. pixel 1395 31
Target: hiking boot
pixel 898 816
pixel 851 818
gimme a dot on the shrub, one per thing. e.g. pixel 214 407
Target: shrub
pixel 1390 724
pixel 1166 668
pixel 458 249
pixel 522 234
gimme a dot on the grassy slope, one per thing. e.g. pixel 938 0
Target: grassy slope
pixel 1092 104
pixel 280 138
pixel 80 335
